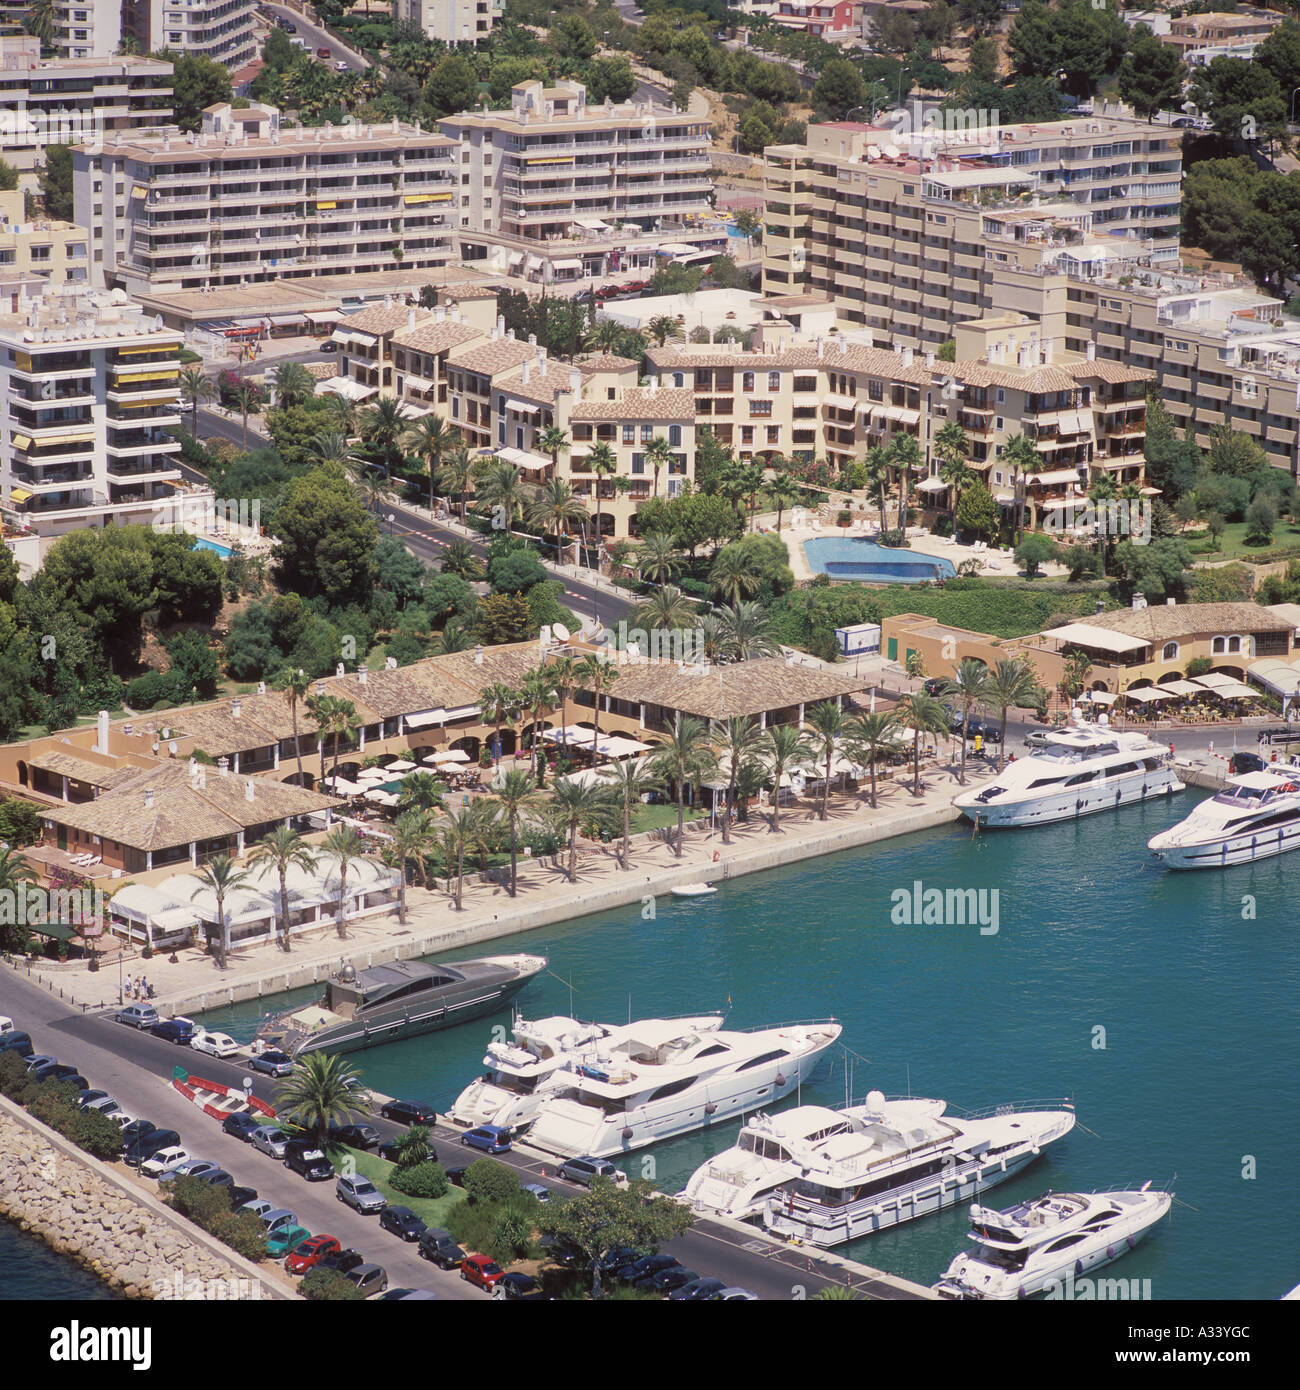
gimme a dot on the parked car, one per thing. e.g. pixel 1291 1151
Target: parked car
pixel 323 52
pixel 214 1044
pixel 39 1059
pixel 175 1030
pixel 308 1161
pixel 273 1063
pixel 409 1112
pixel 360 1194
pixel 615 1259
pixel 18 1042
pixel 308 1254
pixel 242 1125
pixel 700 1291
pixel 401 1295
pixel 543 1194
pixel 60 1071
pixel 192 1168
pixel 137 1015
pixel 439 1247
pixel 217 1177
pixel 340 65
pixel 152 1141
pixel 258 1206
pixel 269 1139
pixel 137 1129
pixel 327 346
pixel 370 1279
pixel 456 1176
pixel 667 1280
pixel 105 1106
pixel 934 686
pixel 402 1221
pixel 646 1266
pixel 1246 762
pixel 482 1271
pixel 389 1150
pixel 6 1024
pixel 161 1162
pixel 240 1197
pixel 520 1286
pixel 1040 738
pixel 583 1170
pixel 734 1295
pixel 282 1241
pixel 354 1136
pixel 89 1097
pixel 341 1260
pixel 277 1219
pixel 492 1139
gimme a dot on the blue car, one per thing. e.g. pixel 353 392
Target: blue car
pixel 175 1030
pixel 492 1139
pixel 242 1124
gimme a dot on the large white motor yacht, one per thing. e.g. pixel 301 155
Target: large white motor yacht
pixel 775 1149
pixel 1036 1246
pixel 1079 770
pixel 884 1173
pixel 1255 816
pixel 637 1083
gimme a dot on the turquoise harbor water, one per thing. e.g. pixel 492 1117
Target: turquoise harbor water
pixel 1197 1003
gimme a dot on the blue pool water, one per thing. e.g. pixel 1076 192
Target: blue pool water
pixel 218 549
pixel 851 557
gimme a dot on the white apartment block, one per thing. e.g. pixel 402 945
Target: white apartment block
pixel 246 200
pixel 64 101
pixel 452 21
pixel 218 29
pixel 88 389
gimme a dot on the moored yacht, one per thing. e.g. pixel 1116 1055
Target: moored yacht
pixel 660 1077
pixel 1255 816
pixel 885 1172
pixel 1037 1246
pixel 1079 770
pixel 774 1149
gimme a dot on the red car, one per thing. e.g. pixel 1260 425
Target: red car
pixel 482 1270
pixel 308 1253
pixel 323 53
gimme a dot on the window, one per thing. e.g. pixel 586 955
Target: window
pixel 762 1058
pixel 774 381
pixel 629 434
pixel 638 463
pixel 774 434
pixel 679 378
pixel 1170 652
pixel 760 408
pixel 747 381
pixel 1217 645
pixel 746 434
pixel 1234 644
pixel 647 433
pixel 675 436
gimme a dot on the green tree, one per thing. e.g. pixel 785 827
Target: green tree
pixel 196 82
pixel 572 37
pixel 515 799
pixel 54 178
pixel 683 758
pixel 827 724
pixel 1152 75
pixel 346 848
pixel 579 804
pixel 452 87
pixel 283 849
pixel 838 90
pixel 1242 99
pixel 327 539
pixel 322 1090
pixel 782 749
pixel 868 737
pixel 504 618
pixel 222 876
pixel 969 686
pixel 922 714
pixel 1035 550
pixel 1260 521
pixel 630 780
pixel 16 874
pixel 1010 683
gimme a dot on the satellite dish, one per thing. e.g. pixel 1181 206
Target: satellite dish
pixel 560 631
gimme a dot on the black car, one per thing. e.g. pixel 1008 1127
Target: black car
pixel 667 1280
pixel 1246 762
pixel 439 1248
pixel 354 1136
pixel 307 1160
pixel 616 1259
pixel 934 686
pixel 645 1267
pixel 137 1129
pixel 18 1042
pixel 175 1030
pixel 341 1260
pixel 151 1142
pixel 701 1291
pixel 242 1124
pixel 521 1286
pixel 402 1221
pixel 240 1195
pixel 409 1112
pixel 456 1176
pixel 389 1150
pixel 59 1072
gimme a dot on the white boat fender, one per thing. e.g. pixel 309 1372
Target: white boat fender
pixel 627 1131
pixel 780 1078
pixel 711 1108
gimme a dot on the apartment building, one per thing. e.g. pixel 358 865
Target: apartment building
pixel 247 199
pixel 556 178
pixel 88 389
pixel 826 19
pixel 1201 38
pixel 55 251
pixel 218 29
pixel 452 21
pixel 64 101
pixel 908 228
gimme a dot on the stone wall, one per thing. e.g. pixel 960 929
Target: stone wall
pixel 84 1208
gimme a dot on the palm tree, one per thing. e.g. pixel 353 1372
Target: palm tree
pixel 457 829
pixel 421 791
pixel 460 558
pixel 666 610
pixel 293 384
pixel 384 424
pixel 904 455
pixel 41 19
pixel 322 1090
pixel 868 736
pixel 555 509
pixel 663 327
pixel 1009 683
pixel 1020 457
pixel 456 474
pixel 333 447
pixel 598 676
pixel 283 849
pixel 319 708
pixel 876 464
pixel 410 834
pixel 658 453
pixel 970 685
pixel 346 846
pixel 343 721
pixel 733 575
pixel 747 631
pixel 501 484
pixel 246 398
pixel 453 638
pixel 498 704
pixel 951 447
pixel 538 693
pixel 605 336
pixel 658 558
pixel 343 415
pixel 430 437
pixel 629 781
pixel 827 722
pixel 785 492
pixel 750 780
pixel 515 795
pixel 739 743
pixel 923 714
pixel 563 673
pixel 222 876
pixel 683 758
pixel 295 686
pixel 578 804
pixel 16 873
pixel 783 747
pixel 482 834
pixel 602 461
pixel 195 387
pixel 554 441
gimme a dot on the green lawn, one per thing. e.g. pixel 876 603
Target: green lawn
pixel 1232 543
pixel 430 1210
pixel 656 817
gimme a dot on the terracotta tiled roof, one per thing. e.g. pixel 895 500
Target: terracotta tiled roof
pixel 381 318
pixel 436 337
pixel 1166 622
pixel 488 358
pixel 747 688
pixel 640 403
pixel 81 770
pixel 606 362
pixel 1109 371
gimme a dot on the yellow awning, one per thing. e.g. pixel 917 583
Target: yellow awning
pixel 319 206
pixel 171 375
pixel 22 441
pixel 76 437
pixel 562 159
pixel 418 198
pixel 145 347
pixel 139 190
pixel 19 494
pixel 23 361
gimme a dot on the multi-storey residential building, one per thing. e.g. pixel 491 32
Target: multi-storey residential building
pixel 908 231
pixel 452 21
pixel 88 390
pixel 55 250
pixel 556 178
pixel 825 19
pixel 218 29
pixel 1201 38
pixel 64 101
pixel 247 199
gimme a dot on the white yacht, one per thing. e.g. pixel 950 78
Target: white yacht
pixel 1255 816
pixel 1032 1247
pixel 1078 770
pixel 641 1082
pixel 884 1173
pixel 776 1149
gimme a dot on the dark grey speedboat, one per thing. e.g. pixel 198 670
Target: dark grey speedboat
pixel 402 999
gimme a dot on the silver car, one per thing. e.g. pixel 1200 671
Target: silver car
pixel 360 1194
pixel 270 1140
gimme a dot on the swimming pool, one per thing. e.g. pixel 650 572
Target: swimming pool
pixel 852 557
pixel 202 543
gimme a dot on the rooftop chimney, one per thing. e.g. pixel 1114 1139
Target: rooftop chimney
pixel 1090 352
pixel 575 380
pixel 363 673
pixel 524 373
pixel 236 708
pixel 929 357
pixel 478 656
pixel 261 687
pixel 320 687
pixel 907 356
pixel 410 317
pixel 101 731
pixel 340 671
pixel 248 790
pixel 821 347
pixel 148 798
pixel 223 764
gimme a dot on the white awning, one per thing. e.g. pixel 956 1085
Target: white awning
pixel 931 485
pixel 423 721
pixel 1056 475
pixel 840 402
pixel 1100 697
pixel 516 260
pixel 592 224
pixel 909 417
pixel 418 383
pixel 1149 693
pixel 533 263
pixel 521 458
pixel 1277 676
pixel 522 407
pixel 566 265
pixel 1212 680
pixel 347 388
pixel 286 320
pixel 1228 689
pixel 1181 687
pixel 339 336
pixel 321 316
pixel 1099 637
pixel 451 755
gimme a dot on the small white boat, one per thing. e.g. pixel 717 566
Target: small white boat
pixel 693 890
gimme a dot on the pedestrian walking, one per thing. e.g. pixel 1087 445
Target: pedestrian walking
pixel 128 986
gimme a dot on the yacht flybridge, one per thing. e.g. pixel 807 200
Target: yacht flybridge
pixel 1036 1245
pixel 890 1169
pixel 1081 769
pixel 1255 816
pixel 606 1090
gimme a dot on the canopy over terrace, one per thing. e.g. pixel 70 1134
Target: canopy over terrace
pixel 1148 694
pixel 1097 638
pixel 1278 676
pixel 1226 688
pixel 608 745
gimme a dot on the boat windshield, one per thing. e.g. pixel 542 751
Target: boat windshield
pixel 1003 1259
pixel 764 1147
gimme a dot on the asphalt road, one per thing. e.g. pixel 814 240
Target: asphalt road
pixel 136 1068
pixel 316 37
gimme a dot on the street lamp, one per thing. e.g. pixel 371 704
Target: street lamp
pixel 391 519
